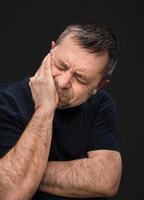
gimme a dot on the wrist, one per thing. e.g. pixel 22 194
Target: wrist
pixel 44 111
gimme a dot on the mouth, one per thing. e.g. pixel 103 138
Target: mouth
pixel 63 101
pixel 63 97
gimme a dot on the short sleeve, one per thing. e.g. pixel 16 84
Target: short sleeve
pixel 104 132
pixel 10 125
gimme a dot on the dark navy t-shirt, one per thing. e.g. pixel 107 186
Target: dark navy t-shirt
pixel 90 126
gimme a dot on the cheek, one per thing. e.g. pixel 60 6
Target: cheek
pixel 54 71
pixel 80 92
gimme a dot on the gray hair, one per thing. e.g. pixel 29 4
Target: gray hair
pixel 95 39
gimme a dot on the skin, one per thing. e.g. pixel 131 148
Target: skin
pixel 52 87
pixel 22 168
pixel 95 176
pixel 99 174
pixel 69 64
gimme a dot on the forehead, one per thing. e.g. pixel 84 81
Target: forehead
pixel 78 57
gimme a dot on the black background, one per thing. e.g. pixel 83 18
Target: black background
pixel 27 29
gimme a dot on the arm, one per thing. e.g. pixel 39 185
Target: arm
pixel 22 168
pixel 18 168
pixel 95 176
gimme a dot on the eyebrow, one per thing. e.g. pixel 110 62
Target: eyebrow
pixel 61 62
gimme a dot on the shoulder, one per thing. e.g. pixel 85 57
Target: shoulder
pixel 101 101
pixel 16 97
pixel 14 89
pixel 8 93
pixel 11 91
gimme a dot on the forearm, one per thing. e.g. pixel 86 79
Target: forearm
pixel 78 178
pixel 22 168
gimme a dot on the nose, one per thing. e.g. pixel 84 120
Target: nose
pixel 64 80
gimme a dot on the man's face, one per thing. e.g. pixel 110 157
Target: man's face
pixel 77 73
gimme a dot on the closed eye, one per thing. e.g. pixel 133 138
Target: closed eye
pixel 81 81
pixel 60 67
pixel 64 67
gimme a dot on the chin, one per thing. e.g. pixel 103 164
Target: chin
pixel 62 105
pixel 65 105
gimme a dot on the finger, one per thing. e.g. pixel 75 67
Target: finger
pixel 44 60
pixel 40 69
pixel 47 66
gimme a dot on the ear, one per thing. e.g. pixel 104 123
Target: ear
pixel 94 92
pixel 103 83
pixel 53 44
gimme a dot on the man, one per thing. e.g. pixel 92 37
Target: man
pixel 58 132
